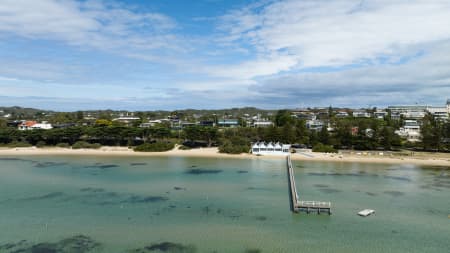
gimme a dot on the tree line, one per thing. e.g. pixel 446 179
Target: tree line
pixel 342 133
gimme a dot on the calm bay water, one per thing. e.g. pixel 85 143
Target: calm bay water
pixel 174 204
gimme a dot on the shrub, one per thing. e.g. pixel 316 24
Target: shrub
pixel 182 147
pixel 40 144
pixel 83 144
pixel 96 145
pixel 63 145
pixel 235 145
pixel 233 149
pixel 16 144
pixel 323 148
pixel 155 147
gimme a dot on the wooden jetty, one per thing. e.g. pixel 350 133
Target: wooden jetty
pixel 301 205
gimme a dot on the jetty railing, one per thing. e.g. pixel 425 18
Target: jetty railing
pixel 303 205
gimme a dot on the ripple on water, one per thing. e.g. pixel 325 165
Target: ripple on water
pixel 202 171
pixel 398 178
pixel 167 247
pixel 101 166
pixel 138 164
pixel 394 193
pixel 329 190
pixel 253 251
pixel 48 164
pixel 51 195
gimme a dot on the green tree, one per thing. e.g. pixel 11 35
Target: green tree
pixel 283 117
pixel 324 136
pixel 301 132
pixel 388 138
pixel 198 133
pixel 288 134
pixel 103 122
pixel 80 116
pixel 431 131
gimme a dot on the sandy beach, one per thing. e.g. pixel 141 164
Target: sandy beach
pixel 432 159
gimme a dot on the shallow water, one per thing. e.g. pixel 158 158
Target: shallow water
pixel 174 204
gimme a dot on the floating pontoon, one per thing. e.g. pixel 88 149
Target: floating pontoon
pixel 366 212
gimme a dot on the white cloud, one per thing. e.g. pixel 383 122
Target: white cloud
pixel 320 33
pixel 97 24
pixel 270 54
pixel 425 80
pixel 248 69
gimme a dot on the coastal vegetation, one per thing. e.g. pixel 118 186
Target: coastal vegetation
pixel 155 147
pixel 84 144
pixel 338 133
pixel 324 148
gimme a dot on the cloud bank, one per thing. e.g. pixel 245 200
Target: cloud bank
pixel 270 54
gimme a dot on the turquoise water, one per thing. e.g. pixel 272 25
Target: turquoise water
pixel 174 204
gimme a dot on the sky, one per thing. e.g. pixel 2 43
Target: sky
pixel 69 55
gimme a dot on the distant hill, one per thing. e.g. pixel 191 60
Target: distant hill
pixel 18 112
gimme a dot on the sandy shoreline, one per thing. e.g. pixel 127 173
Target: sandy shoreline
pixel 442 160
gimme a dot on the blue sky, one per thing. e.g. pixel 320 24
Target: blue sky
pixel 159 54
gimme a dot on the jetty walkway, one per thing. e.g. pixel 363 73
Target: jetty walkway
pixel 301 205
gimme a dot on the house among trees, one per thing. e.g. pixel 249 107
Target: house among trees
pixel 128 120
pixel 361 114
pixel 262 123
pixel 380 114
pixel 341 114
pixel 207 123
pixel 228 123
pixel 410 131
pixel 31 125
pixel 315 125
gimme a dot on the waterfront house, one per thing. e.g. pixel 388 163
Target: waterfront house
pixel 270 148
